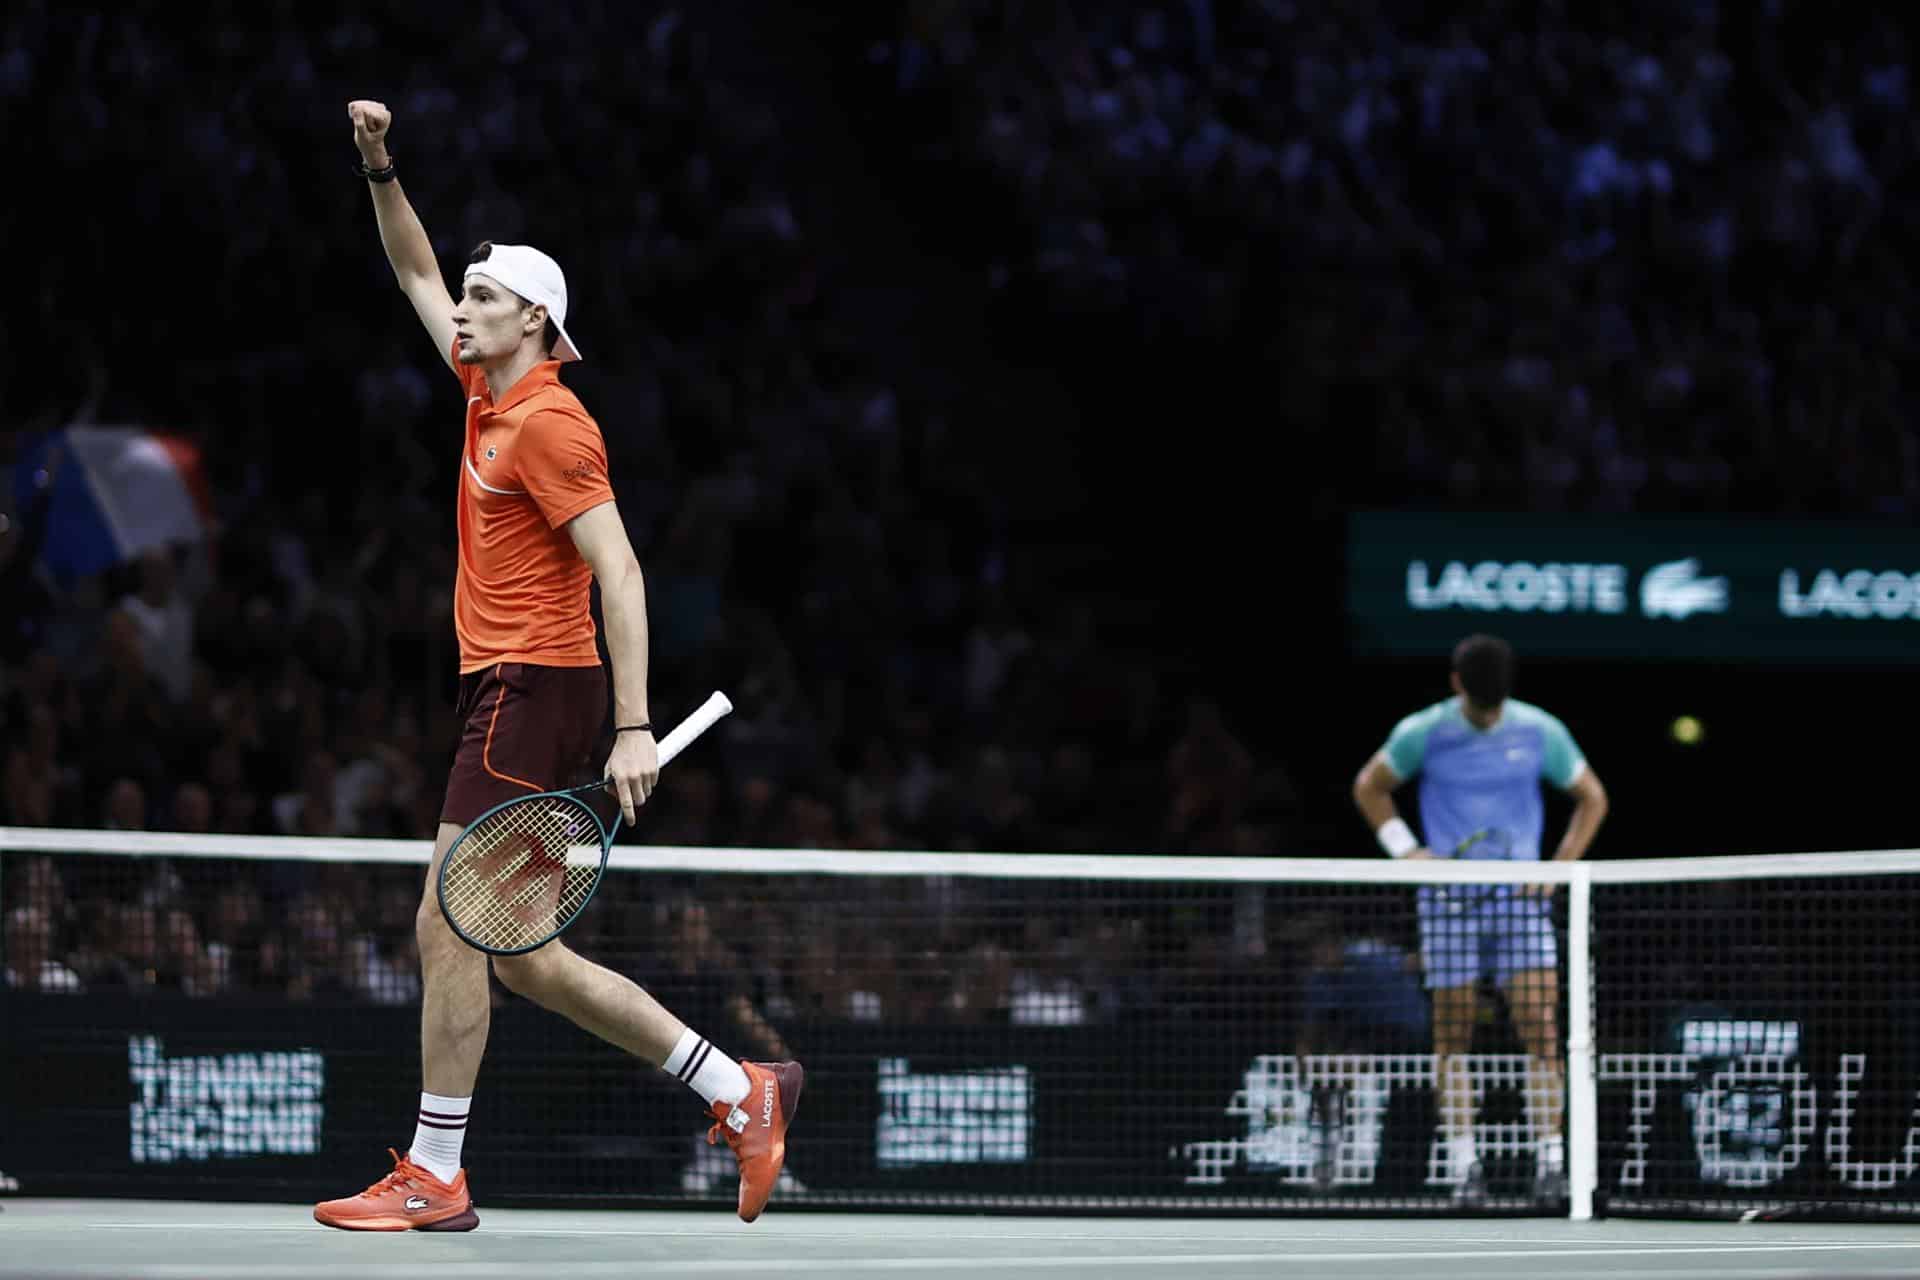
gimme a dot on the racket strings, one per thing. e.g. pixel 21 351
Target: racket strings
pixel 521 872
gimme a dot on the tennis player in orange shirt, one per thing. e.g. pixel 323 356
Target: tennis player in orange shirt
pixel 537 523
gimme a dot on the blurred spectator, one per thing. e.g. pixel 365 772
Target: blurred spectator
pixel 185 966
pixel 30 962
pixel 994 644
pixel 982 990
pixel 125 808
pixel 191 809
pixel 42 786
pixel 102 959
pixel 1208 775
pixel 311 956
pixel 690 968
pixel 1116 970
pixel 29 790
pixel 26 600
pixel 1358 994
pixel 38 886
pixel 386 958
pixel 164 621
pixel 234 928
pixel 139 946
pixel 312 809
pixel 819 986
pixel 688 812
pixel 992 813
pixel 1044 991
pixel 127 716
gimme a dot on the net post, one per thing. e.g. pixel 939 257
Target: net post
pixel 1583 1146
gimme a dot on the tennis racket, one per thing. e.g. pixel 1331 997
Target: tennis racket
pixel 1458 899
pixel 523 871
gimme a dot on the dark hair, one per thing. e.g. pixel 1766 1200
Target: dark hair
pixel 550 336
pixel 1485 666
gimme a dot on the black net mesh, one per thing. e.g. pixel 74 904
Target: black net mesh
pixel 1759 1046
pixel 249 1027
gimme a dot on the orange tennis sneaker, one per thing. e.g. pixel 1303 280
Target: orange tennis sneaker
pixel 756 1129
pixel 408 1199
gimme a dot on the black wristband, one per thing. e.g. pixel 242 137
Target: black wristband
pixel 375 175
pixel 634 728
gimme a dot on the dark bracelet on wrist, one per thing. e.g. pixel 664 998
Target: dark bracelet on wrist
pixel 375 175
pixel 643 727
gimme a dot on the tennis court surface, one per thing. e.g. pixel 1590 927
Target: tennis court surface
pixel 138 1240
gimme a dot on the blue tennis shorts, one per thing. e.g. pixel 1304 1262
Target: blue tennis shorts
pixel 1475 931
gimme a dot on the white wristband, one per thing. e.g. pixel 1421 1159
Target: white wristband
pixel 1396 837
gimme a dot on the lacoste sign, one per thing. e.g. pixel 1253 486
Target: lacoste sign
pixel 1658 588
pixel 1677 589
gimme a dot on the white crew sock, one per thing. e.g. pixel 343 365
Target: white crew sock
pixel 1461 1154
pixel 438 1135
pixel 1551 1152
pixel 705 1070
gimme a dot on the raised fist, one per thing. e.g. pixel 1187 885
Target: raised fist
pixel 370 123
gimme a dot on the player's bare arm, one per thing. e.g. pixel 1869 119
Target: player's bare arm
pixel 634 765
pixel 1373 795
pixel 1589 807
pixel 405 240
pixel 1589 810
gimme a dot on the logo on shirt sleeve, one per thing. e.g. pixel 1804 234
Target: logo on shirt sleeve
pixel 580 471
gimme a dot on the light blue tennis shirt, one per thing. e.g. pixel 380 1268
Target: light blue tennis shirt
pixel 1484 785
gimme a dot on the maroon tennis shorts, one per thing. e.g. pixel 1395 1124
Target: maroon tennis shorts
pixel 523 728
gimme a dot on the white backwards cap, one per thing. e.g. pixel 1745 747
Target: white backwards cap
pixel 535 277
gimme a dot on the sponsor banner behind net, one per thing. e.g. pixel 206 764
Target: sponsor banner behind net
pixel 143 1097
pixel 1654 587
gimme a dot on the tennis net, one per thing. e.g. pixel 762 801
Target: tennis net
pixel 237 1017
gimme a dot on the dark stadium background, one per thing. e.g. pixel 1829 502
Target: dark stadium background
pixel 193 253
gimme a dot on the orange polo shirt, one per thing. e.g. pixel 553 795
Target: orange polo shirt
pixel 531 463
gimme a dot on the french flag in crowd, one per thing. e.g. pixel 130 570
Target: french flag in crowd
pixel 114 492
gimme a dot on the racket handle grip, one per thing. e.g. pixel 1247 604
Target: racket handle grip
pixel 702 719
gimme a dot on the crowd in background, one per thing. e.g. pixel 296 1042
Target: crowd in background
pixel 762 953
pixel 1559 256
pixel 295 675
pixel 1551 256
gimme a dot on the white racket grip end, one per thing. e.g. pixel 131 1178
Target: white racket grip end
pixel 703 718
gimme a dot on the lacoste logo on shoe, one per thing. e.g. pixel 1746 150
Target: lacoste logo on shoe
pixel 766 1107
pixel 416 1203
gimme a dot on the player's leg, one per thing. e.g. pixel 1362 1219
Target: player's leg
pixel 752 1103
pixel 1455 1010
pixel 455 1009
pixel 1527 968
pixel 547 729
pixel 427 1190
pixel 1449 954
pixel 611 1006
pixel 1533 996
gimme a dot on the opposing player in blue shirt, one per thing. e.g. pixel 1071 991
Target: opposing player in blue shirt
pixel 1480 757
